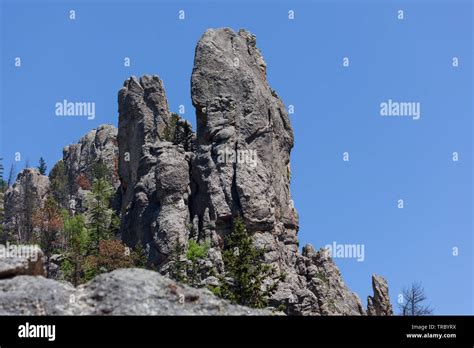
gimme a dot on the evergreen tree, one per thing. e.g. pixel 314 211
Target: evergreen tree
pixel 170 130
pixel 59 184
pixel 177 269
pixel 42 168
pixel 99 170
pixel 77 240
pixel 246 272
pixel 102 221
pixel 27 209
pixel 196 252
pixel 141 257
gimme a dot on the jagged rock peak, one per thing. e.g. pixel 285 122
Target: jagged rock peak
pixel 325 281
pixel 238 112
pixel 143 101
pixel 379 304
pixel 153 168
pixel 143 119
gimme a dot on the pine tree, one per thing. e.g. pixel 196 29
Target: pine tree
pixel 59 184
pixel 102 221
pixel 177 269
pixel 99 170
pixel 77 240
pixel 243 282
pixel 27 209
pixel 196 252
pixel 42 168
pixel 140 256
pixel 170 130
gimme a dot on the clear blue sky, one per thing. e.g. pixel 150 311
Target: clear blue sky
pixel 336 110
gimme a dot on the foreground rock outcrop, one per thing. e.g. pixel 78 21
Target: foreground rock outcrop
pixel 121 292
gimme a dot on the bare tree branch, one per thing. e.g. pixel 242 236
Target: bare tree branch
pixel 413 299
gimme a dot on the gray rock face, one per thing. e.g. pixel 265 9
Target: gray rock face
pixel 238 114
pixel 143 119
pixel 323 279
pixel 154 170
pixel 27 194
pixel 20 260
pixel 99 146
pixel 244 138
pixel 379 304
pixel 121 292
pixel 172 194
pixel 30 295
pixel 238 163
pixel 142 292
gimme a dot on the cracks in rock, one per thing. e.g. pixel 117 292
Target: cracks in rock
pixel 234 191
pixel 261 131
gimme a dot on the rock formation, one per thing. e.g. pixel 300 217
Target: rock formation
pixel 175 185
pixel 27 193
pixel 154 170
pixel 379 304
pixel 96 148
pixel 193 186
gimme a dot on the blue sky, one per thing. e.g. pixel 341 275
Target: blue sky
pixel 336 110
